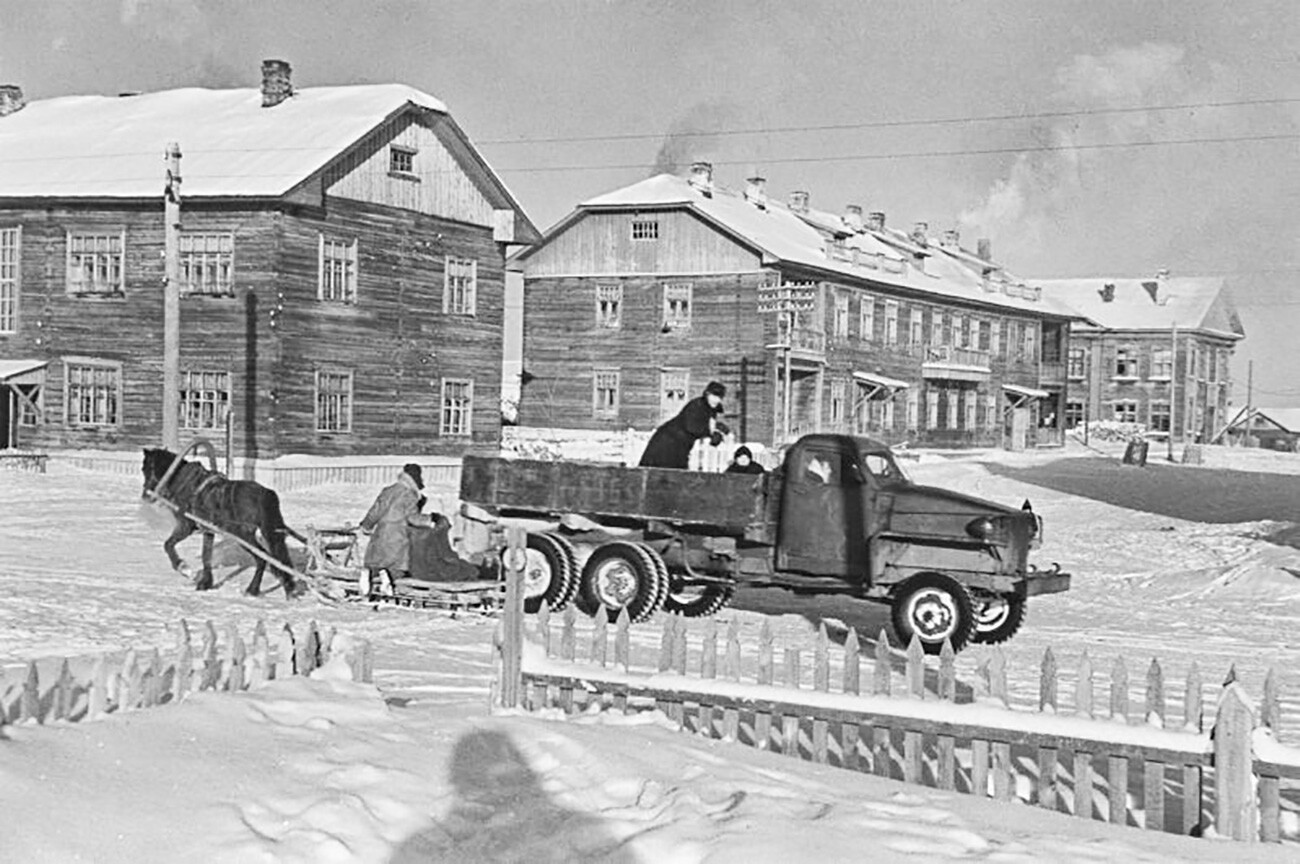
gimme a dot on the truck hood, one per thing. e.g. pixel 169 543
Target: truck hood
pixel 943 513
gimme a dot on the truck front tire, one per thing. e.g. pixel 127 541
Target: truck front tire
pixel 622 575
pixel 997 618
pixel 698 601
pixel 934 608
pixel 550 572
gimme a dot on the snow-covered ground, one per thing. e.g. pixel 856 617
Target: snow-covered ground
pixel 416 769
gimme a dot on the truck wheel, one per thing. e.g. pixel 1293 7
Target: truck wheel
pixel 571 559
pixel 997 617
pixel 548 573
pixel 663 582
pixel 619 576
pixel 933 607
pixel 698 601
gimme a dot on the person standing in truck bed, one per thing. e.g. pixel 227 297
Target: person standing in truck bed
pixel 670 446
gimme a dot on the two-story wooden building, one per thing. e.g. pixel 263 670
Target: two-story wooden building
pixel 1153 351
pixel 814 321
pixel 341 254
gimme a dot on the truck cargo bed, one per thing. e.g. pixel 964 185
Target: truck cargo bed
pixel 727 504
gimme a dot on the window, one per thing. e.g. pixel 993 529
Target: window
pixel 945 329
pixel 913 408
pixel 333 401
pixel 985 337
pixel 841 316
pixel 677 305
pixel 1202 360
pixel 959 331
pixel 1162 363
pixel 932 409
pixel 918 326
pixel 1160 417
pixel 1076 365
pixel 891 322
pixel 1126 364
pixel 837 403
pixel 460 286
pixel 991 415
pixel 31 410
pixel 999 336
pixel 609 306
pixel 1073 415
pixel 1223 366
pixel 645 229
pixel 971 399
pixel 401 160
pixel 9 262
pixel 951 400
pixel 93 393
pixel 867 317
pixel 674 384
pixel 457 406
pixel 205 398
pixel 207 263
pixel 1125 412
pixel 95 263
pixel 1213 364
pixel 604 393
pixel 887 422
pixel 1015 340
pixel 936 327
pixel 337 274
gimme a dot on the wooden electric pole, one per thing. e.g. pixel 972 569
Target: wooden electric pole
pixel 171 402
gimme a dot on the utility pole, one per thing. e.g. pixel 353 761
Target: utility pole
pixel 1173 386
pixel 171 402
pixel 787 301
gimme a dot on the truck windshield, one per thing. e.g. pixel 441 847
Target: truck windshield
pixel 883 467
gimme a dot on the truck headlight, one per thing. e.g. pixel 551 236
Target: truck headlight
pixel 988 528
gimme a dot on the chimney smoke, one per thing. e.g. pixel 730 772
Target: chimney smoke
pixel 277 84
pixel 11 99
pixel 984 249
pixel 702 177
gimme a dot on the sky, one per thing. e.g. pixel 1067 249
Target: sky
pixel 1007 119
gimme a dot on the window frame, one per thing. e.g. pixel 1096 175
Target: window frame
pixel 1128 356
pixel 613 300
pixel 1079 354
pixel 1121 409
pixel 642 230
pixel 351 272
pixel 220 407
pixel 840 321
pixel 186 286
pixel 120 236
pixel 837 398
pixel 891 322
pixel 400 152
pixel 320 417
pixel 1153 413
pixel 672 322
pixel 671 408
pixel 27 418
pixel 867 318
pixel 448 413
pixel 462 302
pixel 1075 413
pixel 916 326
pixel 598 409
pixel 114 366
pixel 1162 364
pixel 11 261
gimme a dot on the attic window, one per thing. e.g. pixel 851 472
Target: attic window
pixel 401 160
pixel 645 229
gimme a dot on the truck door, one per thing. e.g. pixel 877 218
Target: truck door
pixel 823 513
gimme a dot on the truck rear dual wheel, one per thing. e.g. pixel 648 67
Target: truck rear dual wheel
pixel 550 572
pixel 623 575
pixel 997 617
pixel 698 601
pixel 933 607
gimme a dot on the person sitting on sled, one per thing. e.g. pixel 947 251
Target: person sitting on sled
pixel 395 511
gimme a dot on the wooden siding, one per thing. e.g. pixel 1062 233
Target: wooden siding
pixel 438 186
pixel 601 243
pixel 395 340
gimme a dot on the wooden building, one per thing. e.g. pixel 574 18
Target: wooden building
pixel 1152 351
pixel 1267 428
pixel 342 257
pixel 641 296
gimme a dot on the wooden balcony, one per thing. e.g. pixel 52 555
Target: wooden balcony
pixel 947 362
pixel 1051 372
pixel 805 343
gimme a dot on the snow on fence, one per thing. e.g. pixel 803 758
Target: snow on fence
pixel 1159 773
pixel 107 683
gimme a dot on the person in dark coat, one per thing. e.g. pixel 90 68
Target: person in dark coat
pixel 395 511
pixel 670 446
pixel 743 463
pixel 432 557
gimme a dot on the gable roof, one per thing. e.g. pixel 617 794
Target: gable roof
pixel 113 146
pixel 1187 302
pixel 781 235
pixel 1286 419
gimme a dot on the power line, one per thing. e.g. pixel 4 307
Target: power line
pixel 888 124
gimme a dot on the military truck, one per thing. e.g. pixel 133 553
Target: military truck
pixel 838 516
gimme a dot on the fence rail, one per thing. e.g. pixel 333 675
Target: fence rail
pixel 1155 772
pixel 88 687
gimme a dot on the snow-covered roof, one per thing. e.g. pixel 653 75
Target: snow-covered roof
pixel 781 234
pixel 113 146
pixel 1287 419
pixel 1151 303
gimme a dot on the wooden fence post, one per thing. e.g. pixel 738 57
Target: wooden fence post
pixel 308 650
pixel 1236 812
pixel 790 722
pixel 1193 721
pixel 1153 771
pixel 731 671
pixel 512 637
pixel 127 683
pixel 30 706
pixel 259 667
pixel 1083 701
pixel 708 672
pixel 1270 791
pixel 822 684
pixel 62 696
pixel 763 719
pixel 211 662
pixel 1047 682
pixel 184 664
pixel 1119 690
pixel 600 637
pixel 97 698
pixel 284 654
pixel 946 766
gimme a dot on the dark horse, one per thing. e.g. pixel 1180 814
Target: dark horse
pixel 241 508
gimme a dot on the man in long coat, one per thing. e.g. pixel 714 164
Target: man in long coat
pixel 395 510
pixel 670 446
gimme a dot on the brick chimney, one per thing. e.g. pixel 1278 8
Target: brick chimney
pixel 919 232
pixel 702 177
pixel 853 217
pixel 875 221
pixel 951 239
pixel 11 99
pixel 756 190
pixel 276 83
pixel 984 249
pixel 799 201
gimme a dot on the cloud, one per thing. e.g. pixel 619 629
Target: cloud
pixel 692 137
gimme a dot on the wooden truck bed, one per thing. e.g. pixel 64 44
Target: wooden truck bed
pixel 722 504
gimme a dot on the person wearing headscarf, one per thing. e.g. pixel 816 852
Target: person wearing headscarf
pixel 671 444
pixel 395 511
pixel 743 463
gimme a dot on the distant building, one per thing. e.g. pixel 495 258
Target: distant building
pixel 342 257
pixel 1154 351
pixel 641 296
pixel 1269 428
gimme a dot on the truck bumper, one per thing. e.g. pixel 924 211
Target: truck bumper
pixel 1046 583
